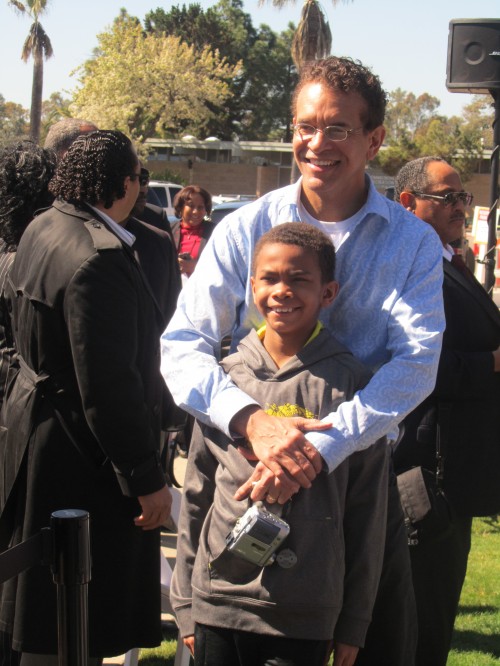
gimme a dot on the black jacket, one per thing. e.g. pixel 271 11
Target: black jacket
pixel 467 386
pixel 82 425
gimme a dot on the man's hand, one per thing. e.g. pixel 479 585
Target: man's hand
pixel 155 509
pixel 189 643
pixel 288 460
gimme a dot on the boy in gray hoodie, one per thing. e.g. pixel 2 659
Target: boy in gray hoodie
pixel 321 585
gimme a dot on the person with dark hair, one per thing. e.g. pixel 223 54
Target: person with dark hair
pixel 389 313
pixel 82 421
pixel 62 134
pixel 459 420
pixel 236 609
pixel 192 205
pixel 25 172
pixel 155 216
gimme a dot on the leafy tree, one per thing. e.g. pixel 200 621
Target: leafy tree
pixel 225 27
pixel 405 116
pixel 452 139
pixel 479 116
pixel 38 47
pixel 258 107
pixel 13 122
pixel 53 109
pixel 406 113
pixel 148 84
pixel 271 78
pixel 414 129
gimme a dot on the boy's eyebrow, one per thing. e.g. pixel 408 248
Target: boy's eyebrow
pixel 297 271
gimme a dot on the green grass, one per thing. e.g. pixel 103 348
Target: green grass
pixel 476 640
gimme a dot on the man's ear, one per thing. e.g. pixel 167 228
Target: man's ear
pixel 407 200
pixel 330 291
pixel 377 137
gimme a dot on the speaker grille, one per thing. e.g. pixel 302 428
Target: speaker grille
pixel 473 55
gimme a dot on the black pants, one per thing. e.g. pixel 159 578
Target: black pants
pixel 438 569
pixel 392 635
pixel 224 647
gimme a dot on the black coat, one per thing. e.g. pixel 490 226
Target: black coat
pixel 83 420
pixel 154 250
pixel 467 384
pixel 156 216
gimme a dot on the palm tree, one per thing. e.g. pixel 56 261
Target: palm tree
pixel 38 46
pixel 312 39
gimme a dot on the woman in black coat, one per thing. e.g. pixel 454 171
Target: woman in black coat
pixel 83 417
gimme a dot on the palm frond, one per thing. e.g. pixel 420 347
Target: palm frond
pixel 18 5
pixel 313 38
pixel 37 41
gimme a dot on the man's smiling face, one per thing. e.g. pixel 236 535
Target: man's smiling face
pixel 333 171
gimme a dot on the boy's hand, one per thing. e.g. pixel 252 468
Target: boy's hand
pixel 344 655
pixel 279 443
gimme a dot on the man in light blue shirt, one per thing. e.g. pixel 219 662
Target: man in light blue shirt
pixel 388 313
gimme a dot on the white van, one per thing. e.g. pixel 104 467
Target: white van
pixel 165 192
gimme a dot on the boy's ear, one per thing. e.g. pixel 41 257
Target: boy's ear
pixel 252 283
pixel 330 291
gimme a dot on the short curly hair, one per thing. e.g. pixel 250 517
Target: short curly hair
pixel 303 235
pixel 186 193
pixel 25 172
pixel 94 169
pixel 347 76
pixel 414 176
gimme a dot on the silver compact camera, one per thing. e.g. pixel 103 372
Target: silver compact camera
pixel 256 535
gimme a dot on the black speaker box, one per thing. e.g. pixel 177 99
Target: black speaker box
pixel 473 55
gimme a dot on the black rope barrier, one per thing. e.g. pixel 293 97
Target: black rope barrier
pixel 65 547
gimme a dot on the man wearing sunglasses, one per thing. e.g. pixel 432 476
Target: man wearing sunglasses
pixel 463 408
pixel 156 216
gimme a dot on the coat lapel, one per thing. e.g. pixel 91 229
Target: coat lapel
pixel 475 290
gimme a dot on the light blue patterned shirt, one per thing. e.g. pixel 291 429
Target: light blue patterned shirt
pixel 389 313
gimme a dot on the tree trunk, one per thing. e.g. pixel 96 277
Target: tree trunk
pixel 36 95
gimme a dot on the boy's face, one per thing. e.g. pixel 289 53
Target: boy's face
pixel 288 289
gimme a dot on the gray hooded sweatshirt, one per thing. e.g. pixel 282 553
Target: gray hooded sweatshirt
pixel 337 527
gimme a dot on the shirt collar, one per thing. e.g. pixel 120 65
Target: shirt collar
pixel 194 230
pixel 448 252
pixel 317 329
pixel 375 202
pixel 122 233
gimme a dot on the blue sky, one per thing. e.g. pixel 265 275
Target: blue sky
pixel 405 42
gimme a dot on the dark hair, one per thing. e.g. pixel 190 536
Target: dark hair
pixel 182 197
pixel 62 134
pixel 413 177
pixel 94 168
pixel 348 76
pixel 305 236
pixel 25 172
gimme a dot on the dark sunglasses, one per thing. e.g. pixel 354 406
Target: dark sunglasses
pixel 450 199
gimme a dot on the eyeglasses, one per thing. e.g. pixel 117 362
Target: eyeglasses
pixel 449 199
pixel 332 132
pixel 143 179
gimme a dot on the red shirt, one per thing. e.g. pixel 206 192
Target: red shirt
pixel 190 239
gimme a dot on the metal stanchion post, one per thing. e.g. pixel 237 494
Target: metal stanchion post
pixel 71 574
